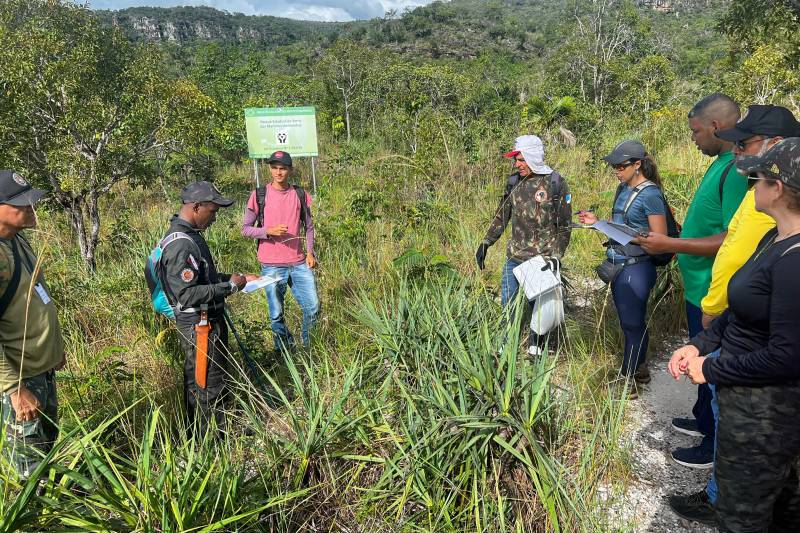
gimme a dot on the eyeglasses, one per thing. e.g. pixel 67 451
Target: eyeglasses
pixel 742 145
pixel 752 180
pixel 622 166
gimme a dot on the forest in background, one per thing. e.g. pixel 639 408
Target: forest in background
pixel 414 409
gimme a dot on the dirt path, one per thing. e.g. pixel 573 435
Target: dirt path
pixel 657 476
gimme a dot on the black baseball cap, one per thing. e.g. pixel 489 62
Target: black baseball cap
pixel 626 151
pixel 204 191
pixel 280 157
pixel 781 162
pixel 15 190
pixel 770 120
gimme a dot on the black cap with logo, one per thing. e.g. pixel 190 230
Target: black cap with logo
pixel 280 157
pixel 15 190
pixel 769 120
pixel 204 191
pixel 781 162
pixel 626 151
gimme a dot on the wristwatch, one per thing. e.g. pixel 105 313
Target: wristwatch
pixel 234 287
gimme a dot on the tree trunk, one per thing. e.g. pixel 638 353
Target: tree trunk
pixel 347 116
pixel 94 235
pixel 87 240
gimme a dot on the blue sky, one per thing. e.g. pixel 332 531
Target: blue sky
pixel 297 9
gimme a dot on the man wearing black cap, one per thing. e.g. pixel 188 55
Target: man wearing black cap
pixel 276 216
pixel 197 293
pixel 760 128
pixel 31 348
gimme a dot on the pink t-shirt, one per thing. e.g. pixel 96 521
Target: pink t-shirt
pixel 281 207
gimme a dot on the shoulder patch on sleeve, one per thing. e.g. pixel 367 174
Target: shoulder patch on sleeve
pixel 187 275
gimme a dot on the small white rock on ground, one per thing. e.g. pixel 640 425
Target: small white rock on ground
pixel 644 505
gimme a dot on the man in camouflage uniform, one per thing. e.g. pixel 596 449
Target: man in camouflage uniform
pixel 538 204
pixel 31 348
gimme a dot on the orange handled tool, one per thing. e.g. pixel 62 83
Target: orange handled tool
pixel 202 330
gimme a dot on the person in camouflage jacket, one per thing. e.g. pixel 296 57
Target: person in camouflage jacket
pixel 537 202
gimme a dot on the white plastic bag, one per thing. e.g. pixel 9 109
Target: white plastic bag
pixel 548 310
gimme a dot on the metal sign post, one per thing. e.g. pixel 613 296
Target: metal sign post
pixel 255 169
pixel 314 174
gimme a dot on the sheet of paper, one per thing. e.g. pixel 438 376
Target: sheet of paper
pixel 260 283
pixel 618 232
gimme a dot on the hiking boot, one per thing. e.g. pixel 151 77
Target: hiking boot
pixel 693 507
pixel 642 375
pixel 687 426
pixel 701 456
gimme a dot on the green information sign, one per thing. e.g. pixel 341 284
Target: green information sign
pixel 291 129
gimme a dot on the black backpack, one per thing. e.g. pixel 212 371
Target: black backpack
pixel 673 228
pixel 556 184
pixel 261 200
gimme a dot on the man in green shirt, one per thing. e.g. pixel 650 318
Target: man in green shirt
pixel 714 203
pixel 31 348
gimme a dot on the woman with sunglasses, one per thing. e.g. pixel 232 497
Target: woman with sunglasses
pixel 757 374
pixel 639 203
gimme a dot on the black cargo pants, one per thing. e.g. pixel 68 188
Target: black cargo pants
pixel 205 407
pixel 758 446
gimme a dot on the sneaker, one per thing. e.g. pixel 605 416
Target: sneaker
pixel 687 426
pixel 701 457
pixel 534 350
pixel 694 507
pixel 642 375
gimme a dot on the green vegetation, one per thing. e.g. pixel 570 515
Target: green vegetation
pixel 414 409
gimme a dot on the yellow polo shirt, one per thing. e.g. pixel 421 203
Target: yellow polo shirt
pixel 745 230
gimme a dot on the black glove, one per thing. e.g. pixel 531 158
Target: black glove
pixel 551 263
pixel 480 255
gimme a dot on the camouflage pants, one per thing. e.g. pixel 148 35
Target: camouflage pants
pixel 758 446
pixel 205 407
pixel 27 442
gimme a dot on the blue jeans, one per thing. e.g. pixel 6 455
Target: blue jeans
pixel 631 290
pixel 304 289
pixel 508 291
pixel 702 407
pixel 711 486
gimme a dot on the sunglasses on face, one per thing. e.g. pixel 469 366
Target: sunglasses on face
pixel 622 166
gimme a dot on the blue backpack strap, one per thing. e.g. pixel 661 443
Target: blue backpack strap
pixel 163 243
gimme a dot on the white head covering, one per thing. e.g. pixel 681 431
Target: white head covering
pixel 532 149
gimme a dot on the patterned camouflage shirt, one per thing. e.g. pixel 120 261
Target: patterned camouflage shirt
pixel 538 225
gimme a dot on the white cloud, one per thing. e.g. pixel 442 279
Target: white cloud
pixel 299 9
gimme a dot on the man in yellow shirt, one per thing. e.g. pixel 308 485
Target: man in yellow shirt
pixel 761 127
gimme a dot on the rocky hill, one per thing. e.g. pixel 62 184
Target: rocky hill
pixel 458 28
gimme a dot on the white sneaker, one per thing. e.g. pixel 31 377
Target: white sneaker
pixel 535 350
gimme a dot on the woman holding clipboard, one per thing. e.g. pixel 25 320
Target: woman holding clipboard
pixel 639 204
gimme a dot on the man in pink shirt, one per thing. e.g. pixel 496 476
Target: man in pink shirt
pixel 275 216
